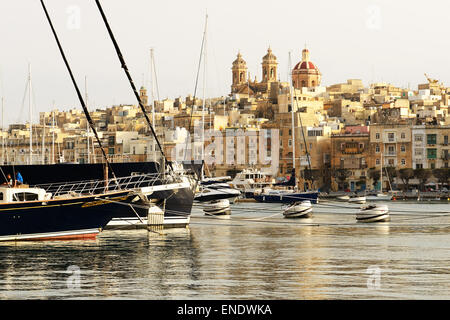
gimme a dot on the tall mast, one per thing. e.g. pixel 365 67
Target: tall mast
pixel 204 96
pixel 30 161
pixel 381 170
pixel 43 142
pixel 291 89
pixel 87 123
pixel 153 71
pixel 53 134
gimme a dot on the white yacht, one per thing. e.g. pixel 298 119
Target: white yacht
pixel 252 180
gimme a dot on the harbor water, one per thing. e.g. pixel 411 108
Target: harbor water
pixel 255 254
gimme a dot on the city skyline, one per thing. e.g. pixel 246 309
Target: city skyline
pixel 368 40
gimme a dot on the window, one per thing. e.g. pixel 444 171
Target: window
pixel 377 148
pixel 432 165
pixel 391 162
pixel 445 140
pixel 418 138
pixel 391 136
pixel 419 166
pixel 25 196
pixel 377 161
pixel 290 142
pixel 403 162
pixel 403 135
pixel 431 139
pixel 377 136
pixel 431 153
pixel 418 152
pixel 403 148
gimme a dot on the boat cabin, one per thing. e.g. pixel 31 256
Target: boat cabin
pixel 8 195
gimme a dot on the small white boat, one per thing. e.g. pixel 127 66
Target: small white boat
pixel 217 207
pixel 343 198
pixel 357 199
pixel 373 213
pixel 300 209
pixel 379 197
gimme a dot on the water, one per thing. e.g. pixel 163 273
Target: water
pixel 256 254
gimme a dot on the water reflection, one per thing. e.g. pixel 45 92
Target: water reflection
pixel 323 257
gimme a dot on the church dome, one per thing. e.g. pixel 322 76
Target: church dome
pixel 306 66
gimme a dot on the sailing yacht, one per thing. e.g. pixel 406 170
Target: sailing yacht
pixel 160 184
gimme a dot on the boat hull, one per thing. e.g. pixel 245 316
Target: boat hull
pixel 288 198
pixel 72 218
pixel 177 204
pixel 304 213
pixel 357 200
pixel 373 214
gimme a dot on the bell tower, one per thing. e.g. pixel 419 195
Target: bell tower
pixel 143 96
pixel 269 67
pixel 239 72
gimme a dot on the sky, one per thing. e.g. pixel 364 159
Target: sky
pixel 373 40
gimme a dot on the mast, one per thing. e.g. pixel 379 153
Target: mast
pixel 53 134
pixel 87 124
pixel 381 171
pixel 204 97
pixel 43 142
pixel 30 160
pixel 153 71
pixel 291 89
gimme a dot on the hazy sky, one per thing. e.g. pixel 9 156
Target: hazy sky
pixel 376 40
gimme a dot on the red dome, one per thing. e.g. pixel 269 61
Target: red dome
pixel 305 65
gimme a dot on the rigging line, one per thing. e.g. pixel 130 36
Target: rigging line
pixel 304 141
pixel 195 89
pixel 80 97
pixel 23 102
pixel 130 80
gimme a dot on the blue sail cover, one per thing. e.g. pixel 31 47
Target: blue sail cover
pixel 290 182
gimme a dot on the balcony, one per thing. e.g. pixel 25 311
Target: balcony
pixel 390 154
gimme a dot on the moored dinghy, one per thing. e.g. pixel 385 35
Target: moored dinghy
pixel 300 209
pixel 217 207
pixel 357 199
pixel 343 198
pixel 373 213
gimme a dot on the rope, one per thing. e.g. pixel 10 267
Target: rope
pixel 80 97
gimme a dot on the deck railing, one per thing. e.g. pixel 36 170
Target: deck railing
pixel 89 187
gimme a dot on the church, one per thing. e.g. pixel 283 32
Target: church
pixel 305 74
